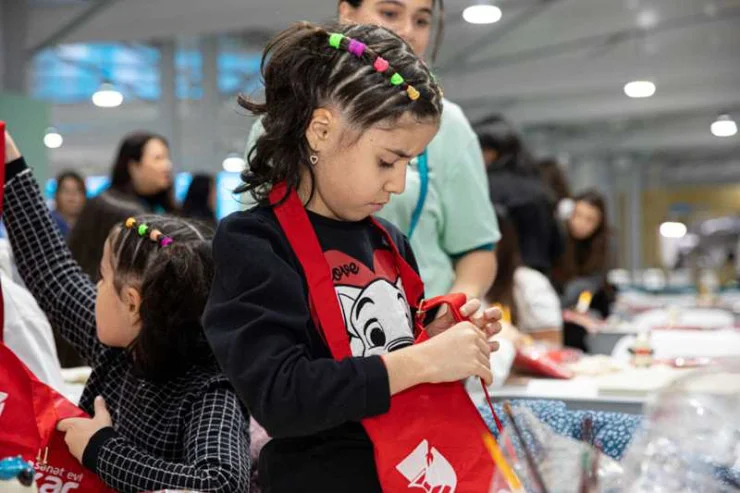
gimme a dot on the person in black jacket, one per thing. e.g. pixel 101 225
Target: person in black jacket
pixel 515 183
pixel 340 130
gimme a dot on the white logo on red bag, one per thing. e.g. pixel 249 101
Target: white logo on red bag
pixel 427 469
pixel 3 398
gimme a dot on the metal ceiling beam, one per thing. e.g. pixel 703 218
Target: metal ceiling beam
pixel 565 47
pixel 78 21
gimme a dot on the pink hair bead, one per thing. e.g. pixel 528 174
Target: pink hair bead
pixel 166 241
pixel 381 64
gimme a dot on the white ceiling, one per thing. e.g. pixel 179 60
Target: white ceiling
pixel 555 68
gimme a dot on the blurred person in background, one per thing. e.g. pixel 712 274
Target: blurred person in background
pixel 141 182
pixel 444 210
pixel 555 180
pixel 515 183
pixel 585 261
pixel 200 201
pixel 527 296
pixel 69 200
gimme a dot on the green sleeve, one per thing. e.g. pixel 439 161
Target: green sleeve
pixel 257 130
pixel 469 218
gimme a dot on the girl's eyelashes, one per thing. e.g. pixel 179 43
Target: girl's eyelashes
pixel 384 164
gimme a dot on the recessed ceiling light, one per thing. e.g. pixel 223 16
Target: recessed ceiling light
pixel 671 229
pixel 724 126
pixel 234 163
pixel 53 139
pixel 107 96
pixel 482 14
pixel 639 89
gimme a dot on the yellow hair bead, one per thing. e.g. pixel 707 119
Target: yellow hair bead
pixel 130 222
pixel 413 93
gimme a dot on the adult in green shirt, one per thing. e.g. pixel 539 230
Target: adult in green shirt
pixel 445 211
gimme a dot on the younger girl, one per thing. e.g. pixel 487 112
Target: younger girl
pixel 345 112
pixel 163 417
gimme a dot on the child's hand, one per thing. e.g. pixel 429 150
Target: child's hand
pixel 489 321
pixel 79 431
pixel 11 151
pixel 457 353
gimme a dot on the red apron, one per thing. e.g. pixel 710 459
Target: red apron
pixel 30 410
pixel 432 436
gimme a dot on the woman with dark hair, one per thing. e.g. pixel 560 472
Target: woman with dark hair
pixel 514 182
pixel 69 200
pixel 444 209
pixel 141 182
pixel 200 201
pixel 585 261
pixel 531 300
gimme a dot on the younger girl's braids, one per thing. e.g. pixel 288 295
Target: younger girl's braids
pixel 359 49
pixel 143 230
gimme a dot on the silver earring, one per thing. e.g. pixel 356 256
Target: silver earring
pixel 314 159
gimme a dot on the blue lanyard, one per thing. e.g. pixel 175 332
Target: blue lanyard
pixel 423 164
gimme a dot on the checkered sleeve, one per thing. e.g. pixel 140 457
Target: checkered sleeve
pixel 216 456
pixel 62 290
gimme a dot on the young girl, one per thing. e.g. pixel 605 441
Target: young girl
pixel 163 416
pixel 584 264
pixel 344 114
pixel 444 210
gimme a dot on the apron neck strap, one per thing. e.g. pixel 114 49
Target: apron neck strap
pixel 295 223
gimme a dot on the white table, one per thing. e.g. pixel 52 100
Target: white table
pixel 626 391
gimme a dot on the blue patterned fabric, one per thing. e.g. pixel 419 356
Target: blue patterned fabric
pixel 612 431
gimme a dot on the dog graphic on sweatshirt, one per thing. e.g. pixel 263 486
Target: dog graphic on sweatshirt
pixel 377 317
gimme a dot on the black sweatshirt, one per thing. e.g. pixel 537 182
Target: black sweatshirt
pixel 186 434
pixel 259 324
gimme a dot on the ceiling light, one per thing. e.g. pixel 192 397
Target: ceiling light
pixel 107 96
pixel 53 139
pixel 671 229
pixel 639 89
pixel 234 163
pixel 724 126
pixel 482 14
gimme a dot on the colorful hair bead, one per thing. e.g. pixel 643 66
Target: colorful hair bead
pixel 130 222
pixel 335 40
pixel 165 241
pixel 155 235
pixel 397 79
pixel 413 93
pixel 357 48
pixel 381 64
pixel 143 228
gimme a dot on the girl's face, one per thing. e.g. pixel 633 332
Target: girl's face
pixel 356 174
pixel 116 314
pixel 409 19
pixel 584 221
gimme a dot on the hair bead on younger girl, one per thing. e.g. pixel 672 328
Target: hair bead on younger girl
pixel 143 230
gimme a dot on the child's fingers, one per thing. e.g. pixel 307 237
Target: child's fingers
pixel 470 308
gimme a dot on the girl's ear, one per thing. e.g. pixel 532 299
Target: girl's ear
pixel 132 299
pixel 320 128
